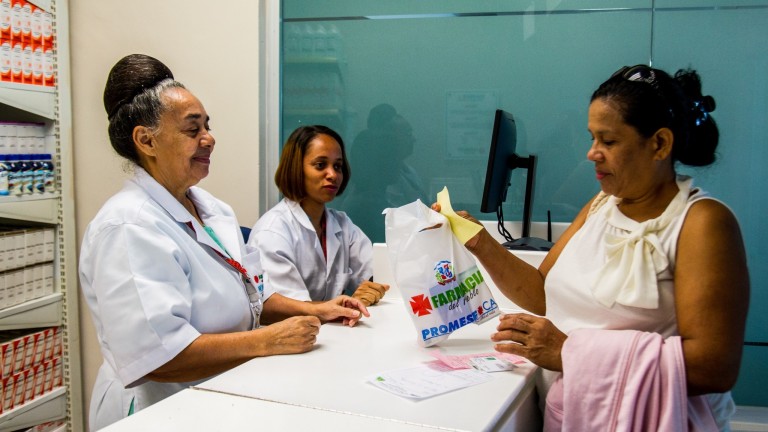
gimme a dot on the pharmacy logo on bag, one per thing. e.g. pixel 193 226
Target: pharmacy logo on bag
pixel 444 272
pixel 420 305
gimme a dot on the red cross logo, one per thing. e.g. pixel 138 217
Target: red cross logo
pixel 420 305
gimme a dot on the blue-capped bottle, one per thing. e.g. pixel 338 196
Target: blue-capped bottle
pixel 25 173
pixel 38 174
pixel 14 176
pixel 4 171
pixel 49 172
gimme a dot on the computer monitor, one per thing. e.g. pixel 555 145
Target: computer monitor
pixel 502 159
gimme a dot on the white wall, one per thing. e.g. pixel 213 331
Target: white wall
pixel 214 52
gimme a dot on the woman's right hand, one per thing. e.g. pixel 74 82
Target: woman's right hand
pixel 472 242
pixel 532 337
pixel 293 335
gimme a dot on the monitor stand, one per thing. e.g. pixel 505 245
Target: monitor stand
pixel 525 242
pixel 529 243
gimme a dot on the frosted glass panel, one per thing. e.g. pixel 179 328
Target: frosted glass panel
pixel 444 77
pixel 733 66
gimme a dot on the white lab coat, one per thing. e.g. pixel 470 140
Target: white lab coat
pixel 292 257
pixel 153 286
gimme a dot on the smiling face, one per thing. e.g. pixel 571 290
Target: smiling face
pixel 627 165
pixel 178 153
pixel 323 162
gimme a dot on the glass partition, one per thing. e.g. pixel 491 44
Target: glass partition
pixel 412 88
pixel 722 44
pixel 413 96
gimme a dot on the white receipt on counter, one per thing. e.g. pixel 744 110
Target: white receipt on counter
pixel 491 364
pixel 427 380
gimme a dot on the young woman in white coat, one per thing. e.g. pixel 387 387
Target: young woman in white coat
pixel 174 293
pixel 311 252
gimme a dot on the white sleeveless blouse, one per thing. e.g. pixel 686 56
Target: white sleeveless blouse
pixel 616 273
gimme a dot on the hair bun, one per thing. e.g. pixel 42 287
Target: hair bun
pixel 130 76
pixel 708 103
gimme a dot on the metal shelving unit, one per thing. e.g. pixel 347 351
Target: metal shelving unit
pixel 52 107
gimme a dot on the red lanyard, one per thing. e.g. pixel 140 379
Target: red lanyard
pixel 236 265
pixel 254 296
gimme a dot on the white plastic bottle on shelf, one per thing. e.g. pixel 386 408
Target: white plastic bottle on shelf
pixel 4 171
pixel 5 128
pixel 37 25
pixel 37 64
pixel 5 19
pixel 5 60
pixel 292 40
pixel 308 41
pixel 12 138
pixel 38 139
pixel 27 64
pixel 47 23
pixel 16 19
pixel 321 41
pixel 334 38
pixel 49 74
pixel 26 21
pixel 24 137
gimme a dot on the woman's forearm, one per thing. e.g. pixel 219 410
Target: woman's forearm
pixel 211 354
pixel 279 307
pixel 516 279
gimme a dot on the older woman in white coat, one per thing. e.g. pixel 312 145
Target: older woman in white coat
pixel 311 252
pixel 174 293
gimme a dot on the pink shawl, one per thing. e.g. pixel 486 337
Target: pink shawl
pixel 624 380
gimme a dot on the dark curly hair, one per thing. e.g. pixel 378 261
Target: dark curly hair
pixel 650 99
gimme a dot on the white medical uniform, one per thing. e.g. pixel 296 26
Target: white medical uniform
pixel 154 285
pixel 292 256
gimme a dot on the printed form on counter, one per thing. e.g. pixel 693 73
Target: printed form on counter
pixel 427 380
pixel 446 374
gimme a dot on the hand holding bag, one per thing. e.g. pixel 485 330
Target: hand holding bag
pixel 441 284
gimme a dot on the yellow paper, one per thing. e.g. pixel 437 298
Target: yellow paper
pixel 463 229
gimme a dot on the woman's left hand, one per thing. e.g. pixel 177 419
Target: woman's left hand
pixel 343 307
pixel 532 337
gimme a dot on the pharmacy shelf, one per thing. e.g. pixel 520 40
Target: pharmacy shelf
pixel 53 107
pixel 41 312
pixel 316 63
pixel 30 208
pixel 30 98
pixel 48 407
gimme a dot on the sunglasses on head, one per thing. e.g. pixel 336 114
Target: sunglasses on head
pixel 638 73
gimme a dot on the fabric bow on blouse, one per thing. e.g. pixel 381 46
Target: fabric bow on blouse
pixel 634 255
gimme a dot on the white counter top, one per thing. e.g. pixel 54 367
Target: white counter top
pixel 326 389
pixel 332 377
pixel 199 410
